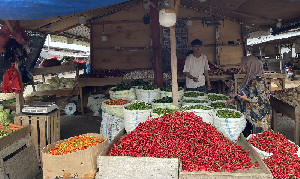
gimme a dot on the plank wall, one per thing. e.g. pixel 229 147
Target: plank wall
pixel 129 39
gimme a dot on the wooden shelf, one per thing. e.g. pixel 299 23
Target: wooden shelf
pixel 57 93
pixel 267 75
pixel 82 82
pixel 57 69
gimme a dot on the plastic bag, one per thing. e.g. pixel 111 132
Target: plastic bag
pixel 11 81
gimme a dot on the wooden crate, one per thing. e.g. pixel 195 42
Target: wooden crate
pixel 79 164
pixel 123 167
pixel 17 155
pixel 261 172
pixel 45 128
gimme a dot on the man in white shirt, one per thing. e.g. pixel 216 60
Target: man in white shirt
pixel 196 69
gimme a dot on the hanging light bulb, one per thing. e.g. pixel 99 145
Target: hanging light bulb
pixel 81 20
pixel 104 36
pixel 189 22
pixel 167 17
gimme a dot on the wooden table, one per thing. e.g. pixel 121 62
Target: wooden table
pixel 288 110
pixel 83 82
pixel 277 78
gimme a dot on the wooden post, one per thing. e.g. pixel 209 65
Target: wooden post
pixel 19 96
pixel 156 47
pixel 217 49
pixel 280 57
pixel 297 125
pixel 174 58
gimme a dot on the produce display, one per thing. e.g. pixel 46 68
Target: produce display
pixel 290 95
pixel 194 101
pixel 228 114
pixel 122 86
pixel 220 105
pixel 57 83
pixel 103 73
pixel 284 166
pixel 272 142
pixel 216 72
pixel 74 144
pixel 193 94
pixel 139 74
pixel 5 130
pixel 116 102
pixel 169 88
pixel 164 100
pixel 138 82
pixel 163 111
pixel 215 97
pixel 5 118
pixel 149 86
pixel 233 71
pixel 139 106
pixel 184 135
pixel 196 107
pixel 284 163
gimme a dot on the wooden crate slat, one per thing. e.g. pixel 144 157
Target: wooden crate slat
pixel 42 126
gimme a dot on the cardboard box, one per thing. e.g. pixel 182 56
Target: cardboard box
pixel 124 167
pixel 79 164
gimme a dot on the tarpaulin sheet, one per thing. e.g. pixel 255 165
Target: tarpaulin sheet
pixel 41 9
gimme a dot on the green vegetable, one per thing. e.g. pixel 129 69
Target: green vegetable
pixel 228 114
pixel 220 105
pixel 122 86
pixel 193 94
pixel 169 88
pixel 194 101
pixel 149 86
pixel 4 133
pixel 5 118
pixel 138 82
pixel 196 107
pixel 164 100
pixel 139 106
pixel 214 97
pixel 163 111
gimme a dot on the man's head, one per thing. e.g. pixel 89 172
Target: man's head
pixel 196 44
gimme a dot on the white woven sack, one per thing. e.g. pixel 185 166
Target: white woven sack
pixel 263 154
pixel 94 103
pixel 163 105
pixel 192 104
pixel 231 128
pixel 207 115
pixel 169 94
pixel 125 94
pixel 111 126
pixel 116 110
pixel 133 117
pixel 147 95
pixel 154 115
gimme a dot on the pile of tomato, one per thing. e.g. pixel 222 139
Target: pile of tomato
pixel 284 163
pixel 116 102
pixel 74 144
pixel 184 135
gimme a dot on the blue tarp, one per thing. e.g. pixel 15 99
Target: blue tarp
pixel 41 9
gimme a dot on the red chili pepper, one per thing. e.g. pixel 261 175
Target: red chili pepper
pixel 184 135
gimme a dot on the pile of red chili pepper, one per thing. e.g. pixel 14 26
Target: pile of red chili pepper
pixel 73 144
pixel 116 102
pixel 284 163
pixel 184 135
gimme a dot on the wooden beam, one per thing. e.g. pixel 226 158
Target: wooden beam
pixel 11 29
pixel 156 47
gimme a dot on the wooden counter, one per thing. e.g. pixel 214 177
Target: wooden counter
pixel 83 82
pixel 288 110
pixel 277 78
